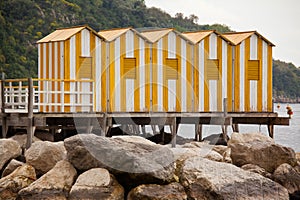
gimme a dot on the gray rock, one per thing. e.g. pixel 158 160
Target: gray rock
pixel 205 179
pixel 22 140
pixel 10 185
pixel 55 184
pixel 96 184
pixel 12 165
pixel 249 137
pixel 43 155
pixel 266 155
pixel 9 149
pixel 135 163
pixel 257 169
pixel 172 191
pixel 287 176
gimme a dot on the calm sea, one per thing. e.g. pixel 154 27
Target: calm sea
pixel 285 135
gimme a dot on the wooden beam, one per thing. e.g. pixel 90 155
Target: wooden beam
pixel 30 125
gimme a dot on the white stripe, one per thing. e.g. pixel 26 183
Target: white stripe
pixel 224 70
pixel 253 47
pixel 213 95
pixel 129 95
pixel 172 45
pixel 85 99
pixel 183 77
pixel 44 65
pixel 129 44
pixel 85 43
pixel 242 76
pixel 98 73
pixel 253 95
pixel 49 95
pixel 265 77
pixel 213 46
pixel 160 76
pixel 72 71
pixel 142 75
pixel 171 95
pixel 62 65
pixel 201 76
pixel 117 83
pixel 55 73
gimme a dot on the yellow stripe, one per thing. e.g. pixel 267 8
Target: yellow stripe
pixel 103 76
pixel 78 52
pixel 92 51
pixel 178 81
pixel 137 80
pixel 270 75
pixel 260 81
pixel 237 79
pixel 123 94
pixel 165 80
pixel 196 77
pixel 67 74
pixel 229 77
pixel 206 81
pixel 154 81
pixel 188 78
pixel 220 80
pixel 247 81
pixel 147 76
pixel 112 75
pixel 47 67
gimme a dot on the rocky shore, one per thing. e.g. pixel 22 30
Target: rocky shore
pixel 87 166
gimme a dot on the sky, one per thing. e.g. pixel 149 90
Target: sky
pixel 276 20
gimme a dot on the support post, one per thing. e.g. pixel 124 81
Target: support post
pixel 198 132
pixel 162 133
pixel 235 128
pixel 271 130
pixel 89 127
pixel 4 119
pixel 174 128
pixel 224 127
pixel 103 126
pixel 30 125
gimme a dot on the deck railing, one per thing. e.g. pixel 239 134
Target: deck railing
pixel 48 95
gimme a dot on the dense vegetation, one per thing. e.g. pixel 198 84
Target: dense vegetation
pixel 23 22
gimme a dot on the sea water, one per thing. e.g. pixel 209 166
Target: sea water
pixel 285 135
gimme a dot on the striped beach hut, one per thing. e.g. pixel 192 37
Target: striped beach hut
pixel 252 72
pixel 172 74
pixel 69 64
pixel 212 70
pixel 128 66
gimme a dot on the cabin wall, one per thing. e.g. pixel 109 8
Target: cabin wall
pixel 129 90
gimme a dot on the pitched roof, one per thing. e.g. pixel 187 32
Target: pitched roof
pixel 238 37
pixel 155 35
pixel 196 37
pixel 112 34
pixel 64 34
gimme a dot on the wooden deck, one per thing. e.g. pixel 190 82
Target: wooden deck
pixel 23 114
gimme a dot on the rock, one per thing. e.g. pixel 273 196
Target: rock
pixel 96 184
pixel 43 155
pixel 288 177
pixel 55 184
pixel 13 164
pixel 22 140
pixel 264 154
pixel 205 179
pixel 257 169
pixel 224 151
pixel 133 163
pixel 298 156
pixel 134 139
pixel 9 149
pixel 216 139
pixel 172 191
pixel 249 137
pixel 10 185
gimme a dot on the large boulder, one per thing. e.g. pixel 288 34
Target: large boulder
pixel 262 153
pixel 173 191
pixel 257 169
pixel 133 163
pixel 54 185
pixel 10 185
pixel 43 155
pixel 206 179
pixel 249 137
pixel 22 139
pixel 12 165
pixel 96 184
pixel 9 149
pixel 287 176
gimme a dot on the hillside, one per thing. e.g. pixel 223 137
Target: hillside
pixel 23 22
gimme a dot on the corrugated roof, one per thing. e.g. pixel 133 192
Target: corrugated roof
pixel 196 37
pixel 238 37
pixel 61 34
pixel 154 35
pixel 112 34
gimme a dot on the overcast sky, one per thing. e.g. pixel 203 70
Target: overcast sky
pixel 277 20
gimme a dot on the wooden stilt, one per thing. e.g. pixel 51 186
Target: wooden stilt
pixel 271 130
pixel 198 132
pixel 224 131
pixel 30 125
pixel 143 130
pixel 103 126
pixel 174 128
pixel 235 128
pixel 162 132
pixel 4 126
pixel 89 127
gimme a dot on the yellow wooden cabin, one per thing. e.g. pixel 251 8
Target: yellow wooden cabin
pixel 212 70
pixel 172 71
pixel 252 72
pixel 69 70
pixel 128 65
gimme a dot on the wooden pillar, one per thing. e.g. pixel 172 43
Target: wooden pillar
pixel 198 132
pixel 271 130
pixel 103 125
pixel 30 125
pixel 89 127
pixel 224 127
pixel 235 128
pixel 224 131
pixel 162 132
pixel 174 128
